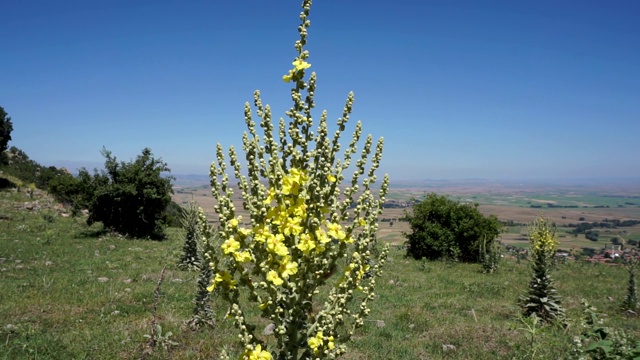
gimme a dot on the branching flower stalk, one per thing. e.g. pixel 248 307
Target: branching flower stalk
pixel 303 226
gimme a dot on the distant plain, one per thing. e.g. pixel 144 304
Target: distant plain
pixel 513 203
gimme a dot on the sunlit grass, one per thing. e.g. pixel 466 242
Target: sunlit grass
pixel 71 291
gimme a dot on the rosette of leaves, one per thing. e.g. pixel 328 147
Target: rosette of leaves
pixel 542 298
pixel 597 341
pixel 305 229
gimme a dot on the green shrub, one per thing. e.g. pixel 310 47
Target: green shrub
pixel 443 228
pixel 18 165
pixel 129 198
pixel 173 215
pixel 66 189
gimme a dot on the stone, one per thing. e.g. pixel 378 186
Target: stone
pixel 268 330
pixel 448 347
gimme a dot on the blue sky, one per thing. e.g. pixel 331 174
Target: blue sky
pixel 458 89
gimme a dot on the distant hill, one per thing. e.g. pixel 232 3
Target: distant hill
pixel 190 180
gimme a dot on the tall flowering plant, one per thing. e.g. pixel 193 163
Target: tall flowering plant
pixel 542 299
pixel 306 233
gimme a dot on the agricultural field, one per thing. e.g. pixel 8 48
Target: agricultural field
pixel 514 204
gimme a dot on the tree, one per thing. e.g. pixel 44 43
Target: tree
pixel 129 198
pixel 443 228
pixel 6 127
pixel 17 163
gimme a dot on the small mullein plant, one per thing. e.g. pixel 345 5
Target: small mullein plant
pixel 190 258
pixel 490 256
pixel 630 302
pixel 303 226
pixel 542 299
pixel 203 314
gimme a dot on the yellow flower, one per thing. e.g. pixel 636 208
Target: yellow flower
pixel 270 196
pixel 228 279
pixel 288 267
pixel 315 342
pixel 288 76
pixel 290 186
pixel 234 222
pixel 322 237
pixel 362 222
pixel 292 226
pixel 244 232
pixel 273 277
pixel 306 244
pixel 242 256
pixel 335 231
pixel 261 233
pixel 222 277
pixel 331 178
pixel 256 354
pixel 330 344
pixel 230 246
pixel 299 209
pixel 362 271
pixel 293 181
pixel 275 245
pixel 300 64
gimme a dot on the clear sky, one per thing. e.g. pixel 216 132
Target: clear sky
pixel 458 89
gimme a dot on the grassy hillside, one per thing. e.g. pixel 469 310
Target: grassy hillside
pixel 70 291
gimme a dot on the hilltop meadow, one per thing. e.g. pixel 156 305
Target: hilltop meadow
pixel 69 290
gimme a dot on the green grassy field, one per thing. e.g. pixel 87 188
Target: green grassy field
pixel 69 291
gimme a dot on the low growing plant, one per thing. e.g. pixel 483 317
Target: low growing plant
pixel 597 341
pixel 490 256
pixel 303 226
